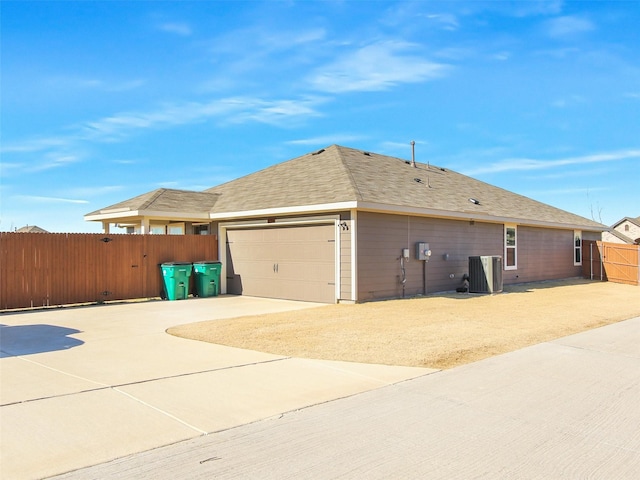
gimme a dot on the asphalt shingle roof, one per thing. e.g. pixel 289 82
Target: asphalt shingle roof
pixel 165 200
pixel 339 174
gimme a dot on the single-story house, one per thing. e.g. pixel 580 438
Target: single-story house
pixel 31 229
pixel 341 224
pixel 625 231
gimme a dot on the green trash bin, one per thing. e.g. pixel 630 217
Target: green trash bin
pixel 176 279
pixel 207 278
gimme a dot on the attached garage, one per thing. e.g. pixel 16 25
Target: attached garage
pixel 290 262
pixel 341 225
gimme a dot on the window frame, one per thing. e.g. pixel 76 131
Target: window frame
pixel 577 249
pixel 507 227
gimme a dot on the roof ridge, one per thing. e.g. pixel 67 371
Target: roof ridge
pixel 345 167
pixel 155 194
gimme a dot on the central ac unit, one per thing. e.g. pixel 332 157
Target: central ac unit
pixel 485 274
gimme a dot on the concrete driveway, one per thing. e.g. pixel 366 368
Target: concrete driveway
pixel 85 385
pixel 565 409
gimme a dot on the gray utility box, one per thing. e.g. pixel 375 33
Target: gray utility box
pixel 485 274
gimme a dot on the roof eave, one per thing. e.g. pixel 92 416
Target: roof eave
pixel 471 215
pixel 399 209
pixel 295 210
pixel 100 217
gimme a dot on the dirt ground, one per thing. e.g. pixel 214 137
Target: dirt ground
pixel 439 331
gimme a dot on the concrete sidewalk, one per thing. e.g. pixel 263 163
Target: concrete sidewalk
pixel 566 409
pixel 85 385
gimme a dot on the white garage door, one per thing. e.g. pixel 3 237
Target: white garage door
pixel 295 263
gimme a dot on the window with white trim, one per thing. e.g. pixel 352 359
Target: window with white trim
pixel 577 247
pixel 175 229
pixel 510 247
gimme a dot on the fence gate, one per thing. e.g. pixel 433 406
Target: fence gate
pixel 614 262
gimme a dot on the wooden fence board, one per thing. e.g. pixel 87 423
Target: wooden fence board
pixel 614 262
pixel 43 269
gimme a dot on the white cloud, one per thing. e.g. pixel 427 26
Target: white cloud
pixel 327 139
pixel 501 56
pixel 125 85
pixel 55 160
pixel 94 191
pixel 402 146
pixel 447 21
pixel 570 101
pixel 567 191
pixel 39 199
pixel 524 164
pixel 35 145
pixel 65 149
pixel 375 67
pixel 568 26
pixel 278 112
pixel 289 39
pixel 233 109
pixel 74 82
pixel 179 28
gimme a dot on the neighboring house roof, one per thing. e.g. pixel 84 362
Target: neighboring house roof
pixel 339 178
pixel 621 236
pixel 635 221
pixel 338 175
pixel 162 201
pixel 31 229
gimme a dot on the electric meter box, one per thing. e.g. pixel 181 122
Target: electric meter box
pixel 422 251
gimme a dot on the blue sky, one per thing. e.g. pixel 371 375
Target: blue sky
pixel 106 100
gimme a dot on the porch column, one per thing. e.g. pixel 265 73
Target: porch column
pixel 144 226
pixel 106 226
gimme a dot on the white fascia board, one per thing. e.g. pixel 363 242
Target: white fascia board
pixel 399 210
pixel 149 214
pixel 178 216
pixel 112 214
pixel 302 209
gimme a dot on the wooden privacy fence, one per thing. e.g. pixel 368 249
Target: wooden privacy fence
pixel 615 262
pixel 45 269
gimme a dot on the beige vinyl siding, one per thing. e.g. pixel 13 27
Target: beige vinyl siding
pixel 346 251
pixel 381 238
pixel 544 254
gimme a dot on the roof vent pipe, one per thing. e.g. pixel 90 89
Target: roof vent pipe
pixel 413 153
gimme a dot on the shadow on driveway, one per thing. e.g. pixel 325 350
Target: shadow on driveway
pixel 31 339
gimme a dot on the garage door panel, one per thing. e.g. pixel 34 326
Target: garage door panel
pixel 295 263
